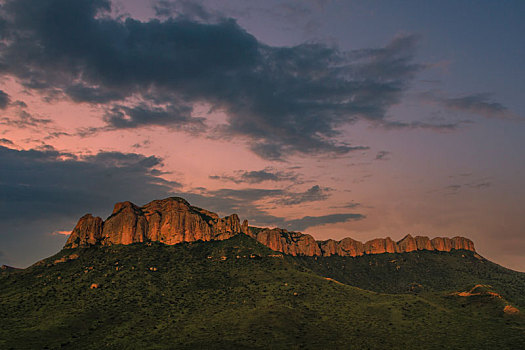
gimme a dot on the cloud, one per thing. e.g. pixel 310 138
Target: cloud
pixel 4 100
pixel 350 205
pixel 190 10
pixel 24 120
pixel 64 233
pixel 313 194
pixel 178 116
pixel 382 155
pixel 276 196
pixel 259 176
pixel 280 100
pixel 476 185
pixel 309 221
pixel 447 126
pixel 7 142
pixel 45 183
pixel 477 104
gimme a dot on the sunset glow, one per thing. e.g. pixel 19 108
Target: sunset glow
pixel 338 119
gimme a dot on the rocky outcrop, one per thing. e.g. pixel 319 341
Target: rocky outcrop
pixel 350 247
pixel 345 247
pixel 170 221
pixel 511 310
pixel 380 245
pixel 88 231
pixel 407 244
pixel 174 220
pixel 293 243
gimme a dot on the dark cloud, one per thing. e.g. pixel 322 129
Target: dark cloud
pixel 7 142
pixel 276 196
pixel 82 93
pixel 258 176
pixel 283 100
pixel 44 184
pixel 190 10
pixel 56 134
pixel 382 155
pixel 313 194
pixel 477 104
pixel 310 221
pixel 20 104
pixel 476 185
pixel 447 126
pixel 24 120
pixel 4 100
pixel 178 116
pixel 350 205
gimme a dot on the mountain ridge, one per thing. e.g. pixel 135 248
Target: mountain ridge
pixel 173 220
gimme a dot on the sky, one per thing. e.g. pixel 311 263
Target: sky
pixel 359 119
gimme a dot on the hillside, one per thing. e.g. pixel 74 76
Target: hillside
pixel 233 294
pixel 420 272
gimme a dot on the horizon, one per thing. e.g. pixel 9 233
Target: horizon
pixel 361 120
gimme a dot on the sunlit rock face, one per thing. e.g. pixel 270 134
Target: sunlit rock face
pixel 88 231
pixel 170 221
pixel 293 243
pixel 173 220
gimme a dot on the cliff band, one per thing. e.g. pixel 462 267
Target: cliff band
pixel 173 220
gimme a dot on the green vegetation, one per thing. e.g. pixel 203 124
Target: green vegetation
pixel 421 271
pixel 234 294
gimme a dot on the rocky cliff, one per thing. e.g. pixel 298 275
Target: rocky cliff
pixel 173 220
pixel 170 221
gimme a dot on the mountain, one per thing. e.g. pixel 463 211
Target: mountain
pixel 173 220
pixel 235 294
pixel 169 275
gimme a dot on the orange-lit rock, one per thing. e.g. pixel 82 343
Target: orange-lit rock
pixel 293 243
pixel 442 244
pixel 173 220
pixel 423 243
pixel 88 231
pixel 462 243
pixel 407 244
pixel 345 247
pixel 380 245
pixel 510 310
pixel 126 225
pixel 170 221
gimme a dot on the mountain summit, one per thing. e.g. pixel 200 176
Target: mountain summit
pixel 173 220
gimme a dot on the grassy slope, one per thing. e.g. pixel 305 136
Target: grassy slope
pixel 192 301
pixel 421 271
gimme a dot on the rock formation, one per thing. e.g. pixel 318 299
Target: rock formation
pixel 293 243
pixel 173 220
pixel 170 221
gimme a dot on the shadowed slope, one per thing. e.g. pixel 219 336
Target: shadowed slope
pixel 234 294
